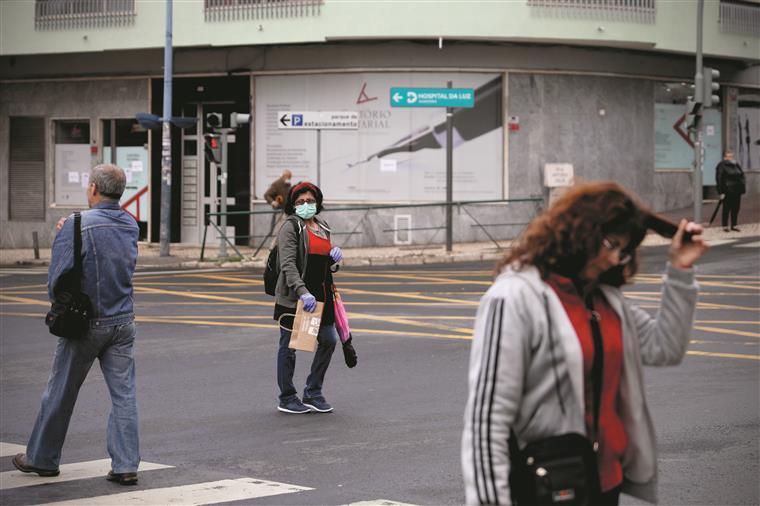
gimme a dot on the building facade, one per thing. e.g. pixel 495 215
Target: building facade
pixel 597 85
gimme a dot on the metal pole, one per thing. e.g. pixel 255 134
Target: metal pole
pixel 449 175
pixel 698 147
pixel 319 156
pixel 166 141
pixel 223 195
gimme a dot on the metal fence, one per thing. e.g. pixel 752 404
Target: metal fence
pixel 235 10
pixel 638 11
pixel 65 14
pixel 409 226
pixel 740 18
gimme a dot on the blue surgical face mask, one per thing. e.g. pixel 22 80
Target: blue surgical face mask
pixel 306 211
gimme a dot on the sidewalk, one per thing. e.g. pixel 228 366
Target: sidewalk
pixel 187 257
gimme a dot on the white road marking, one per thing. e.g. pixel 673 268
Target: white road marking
pixel 755 244
pixel 7 449
pixel 211 492
pixel 69 472
pixel 379 502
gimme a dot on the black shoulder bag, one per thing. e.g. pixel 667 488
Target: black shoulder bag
pixel 70 311
pixel 560 469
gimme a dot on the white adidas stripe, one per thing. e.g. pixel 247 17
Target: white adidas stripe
pixel 69 472
pixel 7 449
pixel 199 493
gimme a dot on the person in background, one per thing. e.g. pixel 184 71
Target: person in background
pixel 109 256
pixel 729 177
pixel 276 196
pixel 307 261
pixel 534 351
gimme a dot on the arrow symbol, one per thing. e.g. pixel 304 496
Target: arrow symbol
pixel 397 97
pixel 411 97
pixel 284 120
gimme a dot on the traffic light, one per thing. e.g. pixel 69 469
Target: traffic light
pixel 213 147
pixel 710 95
pixel 214 120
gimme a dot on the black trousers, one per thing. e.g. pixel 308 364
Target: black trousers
pixel 611 497
pixel 731 207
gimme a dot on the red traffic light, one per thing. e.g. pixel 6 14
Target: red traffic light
pixel 214 143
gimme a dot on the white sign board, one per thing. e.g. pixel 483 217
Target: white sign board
pixel 558 175
pixel 318 120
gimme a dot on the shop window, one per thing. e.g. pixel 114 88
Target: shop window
pixel 743 122
pixel 26 178
pixel 73 161
pixel 125 143
pixel 674 150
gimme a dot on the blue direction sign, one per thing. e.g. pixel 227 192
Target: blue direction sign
pixel 432 97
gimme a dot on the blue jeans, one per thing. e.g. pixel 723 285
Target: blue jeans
pixel 286 363
pixel 113 346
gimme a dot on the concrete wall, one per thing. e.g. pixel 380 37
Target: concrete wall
pixel 94 99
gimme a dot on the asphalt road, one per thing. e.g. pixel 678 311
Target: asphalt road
pixel 207 392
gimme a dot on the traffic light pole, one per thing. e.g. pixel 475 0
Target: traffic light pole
pixel 223 193
pixel 449 175
pixel 166 142
pixel 698 144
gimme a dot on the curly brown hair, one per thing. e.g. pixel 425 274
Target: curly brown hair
pixel 569 234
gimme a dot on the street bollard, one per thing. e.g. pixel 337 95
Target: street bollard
pixel 36 245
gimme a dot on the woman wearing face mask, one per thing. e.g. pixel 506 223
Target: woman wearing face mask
pixel 558 349
pixel 307 261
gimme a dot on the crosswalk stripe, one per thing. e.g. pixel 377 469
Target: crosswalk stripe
pixel 7 449
pixel 198 493
pixel 69 472
pixel 379 502
pixel 755 244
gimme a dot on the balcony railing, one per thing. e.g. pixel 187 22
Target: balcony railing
pixel 637 11
pixel 740 18
pixel 235 10
pixel 66 14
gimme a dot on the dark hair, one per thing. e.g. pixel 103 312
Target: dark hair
pixel 300 188
pixel 569 234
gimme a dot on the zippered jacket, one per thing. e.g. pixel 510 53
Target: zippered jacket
pixel 512 379
pixel 293 245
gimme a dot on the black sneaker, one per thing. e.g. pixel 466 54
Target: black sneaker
pixel 318 404
pixel 19 461
pixel 735 229
pixel 294 406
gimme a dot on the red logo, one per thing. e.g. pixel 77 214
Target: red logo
pixel 363 97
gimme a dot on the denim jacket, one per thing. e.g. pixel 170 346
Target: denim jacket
pixel 109 256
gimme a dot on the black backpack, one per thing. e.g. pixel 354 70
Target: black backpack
pixel 272 267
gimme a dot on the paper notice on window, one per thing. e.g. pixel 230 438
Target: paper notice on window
pixel 388 165
pixel 73 177
pixel 128 173
pixel 136 166
pixel 85 179
pixel 710 130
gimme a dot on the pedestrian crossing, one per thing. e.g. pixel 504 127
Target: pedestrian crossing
pixel 210 492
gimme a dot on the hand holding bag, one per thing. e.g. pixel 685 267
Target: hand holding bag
pixel 560 469
pixel 70 310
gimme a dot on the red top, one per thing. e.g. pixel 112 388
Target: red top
pixel 318 245
pixel 612 437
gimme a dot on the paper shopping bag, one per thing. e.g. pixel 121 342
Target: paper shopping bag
pixel 305 328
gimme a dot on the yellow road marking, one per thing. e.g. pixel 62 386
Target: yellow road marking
pixel 193 295
pixel 410 296
pixel 31 302
pixel 405 321
pixel 729 322
pixel 237 279
pixel 723 355
pixel 727 331
pixel 423 278
pixel 22 287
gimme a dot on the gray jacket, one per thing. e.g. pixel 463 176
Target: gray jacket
pixel 512 384
pixel 292 244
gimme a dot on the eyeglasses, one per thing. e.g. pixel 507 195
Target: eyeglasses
pixel 301 202
pixel 612 245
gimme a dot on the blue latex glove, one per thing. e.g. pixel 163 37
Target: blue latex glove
pixel 309 302
pixel 336 254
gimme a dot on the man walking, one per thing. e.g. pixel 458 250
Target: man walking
pixel 731 185
pixel 109 255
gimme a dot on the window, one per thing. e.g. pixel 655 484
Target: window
pixel 63 14
pixel 641 11
pixel 73 161
pixel 125 143
pixel 26 178
pixel 740 17
pixel 233 10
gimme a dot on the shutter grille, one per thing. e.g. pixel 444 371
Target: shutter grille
pixel 27 169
